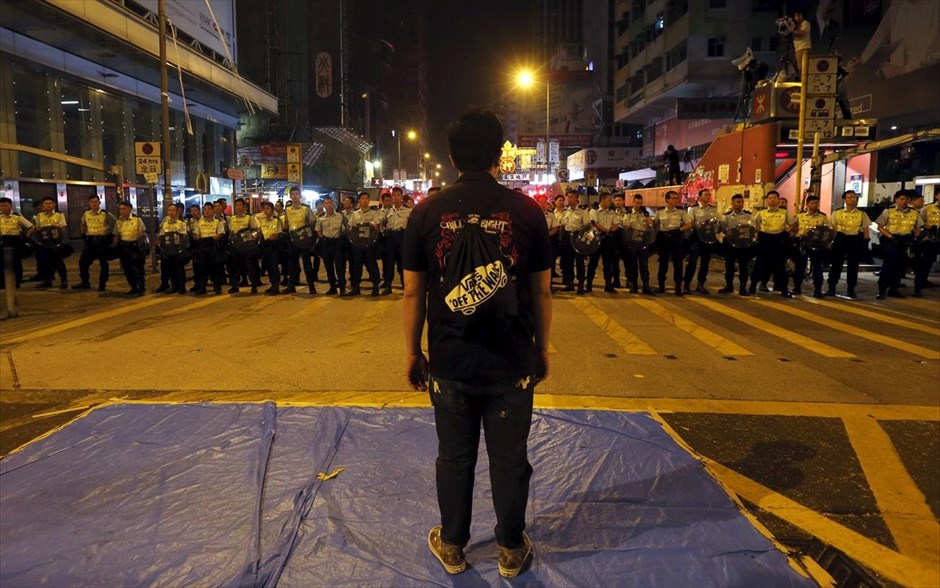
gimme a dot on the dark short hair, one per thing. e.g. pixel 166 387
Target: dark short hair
pixel 670 194
pixel 125 203
pixel 47 198
pixel 94 197
pixel 242 200
pixel 847 192
pixel 557 196
pixel 812 198
pixel 267 204
pixel 5 200
pixel 326 199
pixel 350 196
pixel 386 195
pixel 702 191
pixel 637 197
pixel 192 206
pixel 294 189
pixel 364 193
pixel 221 201
pixel 772 193
pixel 209 204
pixel 604 195
pixel 399 190
pixel 737 196
pixel 618 195
pixel 475 140
pixel 572 191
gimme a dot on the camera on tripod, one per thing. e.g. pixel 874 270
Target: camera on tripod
pixel 785 25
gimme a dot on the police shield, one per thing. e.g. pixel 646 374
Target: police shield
pixel 742 235
pixel 362 235
pixel 173 244
pixel 819 238
pixel 707 232
pixel 246 241
pixel 303 238
pixel 637 238
pixel 586 241
pixel 50 237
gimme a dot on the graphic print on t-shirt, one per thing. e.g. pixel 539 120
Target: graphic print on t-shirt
pixel 472 255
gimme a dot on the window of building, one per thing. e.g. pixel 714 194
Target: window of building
pixel 677 55
pixel 717 3
pixel 675 9
pixel 622 92
pixel 757 43
pixel 716 47
pixel 654 70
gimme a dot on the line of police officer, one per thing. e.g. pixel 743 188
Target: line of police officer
pixel 772 235
pixel 232 249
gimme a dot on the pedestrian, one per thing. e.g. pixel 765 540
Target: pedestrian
pixel 671 163
pixel 488 337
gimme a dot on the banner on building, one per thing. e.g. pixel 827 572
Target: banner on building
pixel 194 18
pixel 570 99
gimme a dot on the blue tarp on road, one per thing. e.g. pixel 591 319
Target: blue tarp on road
pixel 227 495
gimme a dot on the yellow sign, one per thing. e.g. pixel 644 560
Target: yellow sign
pixel 295 172
pixel 148 165
pixel 150 178
pixel 274 171
pixel 507 165
pixel 293 152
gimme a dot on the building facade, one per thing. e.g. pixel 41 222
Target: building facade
pixel 79 85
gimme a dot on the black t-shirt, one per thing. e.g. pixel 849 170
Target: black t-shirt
pixel 523 240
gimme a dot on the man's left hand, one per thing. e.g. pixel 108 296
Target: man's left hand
pixel 417 371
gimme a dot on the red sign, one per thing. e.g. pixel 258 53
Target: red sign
pixel 235 173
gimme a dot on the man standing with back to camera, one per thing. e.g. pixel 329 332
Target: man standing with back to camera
pixel 477 262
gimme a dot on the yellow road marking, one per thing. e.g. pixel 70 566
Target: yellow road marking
pixel 899 568
pixel 883 308
pixel 311 307
pixel 627 341
pixel 80 322
pixel 369 321
pixel 902 504
pixel 195 305
pixel 706 336
pixel 552 348
pixel 853 330
pixel 795 338
pixel 930 330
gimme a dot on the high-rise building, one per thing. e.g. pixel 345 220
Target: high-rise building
pixel 682 49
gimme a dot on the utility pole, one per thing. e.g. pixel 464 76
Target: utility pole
pixel 165 116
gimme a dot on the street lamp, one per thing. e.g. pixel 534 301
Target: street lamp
pixel 525 78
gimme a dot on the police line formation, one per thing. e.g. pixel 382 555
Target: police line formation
pixel 236 250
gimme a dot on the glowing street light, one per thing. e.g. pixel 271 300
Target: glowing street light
pixel 412 135
pixel 377 164
pixel 427 156
pixel 525 78
pixel 438 166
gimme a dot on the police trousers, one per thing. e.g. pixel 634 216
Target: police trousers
pixel 637 261
pixel 210 264
pixel 740 257
pixel 173 272
pixel 505 412
pixel 244 266
pixel 49 263
pixel 271 255
pixel 394 246
pixel 772 252
pixel 669 245
pixel 894 253
pixel 571 262
pixel 364 256
pixel 332 252
pixel 925 253
pixel 700 253
pixel 294 258
pixel 845 249
pixel 816 259
pixel 132 262
pixel 96 249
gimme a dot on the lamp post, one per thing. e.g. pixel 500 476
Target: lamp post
pixel 526 79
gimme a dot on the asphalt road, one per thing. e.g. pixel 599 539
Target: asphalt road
pixel 822 416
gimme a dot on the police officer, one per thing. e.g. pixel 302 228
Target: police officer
pixel 331 227
pixel 207 243
pixel 97 229
pixel 608 223
pixel 699 252
pixel 671 222
pixel 48 260
pixel 775 225
pixel 130 235
pixel 364 255
pixel 851 225
pixel 927 247
pixel 620 210
pixel 637 261
pixel 349 206
pixel 573 220
pixel 805 221
pixel 296 216
pixel 195 213
pixel 172 266
pixel 381 246
pixel 272 244
pixel 243 267
pixel 396 219
pixel 898 225
pixel 736 255
pixel 15 229
pixel 558 207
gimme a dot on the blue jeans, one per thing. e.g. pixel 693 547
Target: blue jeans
pixel 505 410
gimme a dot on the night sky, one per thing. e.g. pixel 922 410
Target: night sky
pixel 473 47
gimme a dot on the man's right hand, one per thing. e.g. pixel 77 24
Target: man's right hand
pixel 541 365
